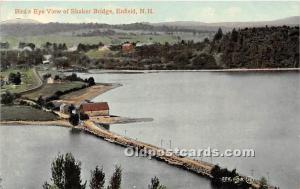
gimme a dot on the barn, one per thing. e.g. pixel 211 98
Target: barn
pixel 95 109
pixel 127 47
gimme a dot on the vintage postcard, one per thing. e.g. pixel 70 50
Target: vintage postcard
pixel 149 94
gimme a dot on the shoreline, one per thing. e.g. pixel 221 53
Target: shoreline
pixel 109 71
pixel 58 123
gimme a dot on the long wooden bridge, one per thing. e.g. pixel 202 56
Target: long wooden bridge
pixel 199 167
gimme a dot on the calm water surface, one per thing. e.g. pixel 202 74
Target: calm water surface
pixel 197 110
pixel 27 153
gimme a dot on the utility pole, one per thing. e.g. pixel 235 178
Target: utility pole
pixel 268 174
pixel 170 144
pixel 161 143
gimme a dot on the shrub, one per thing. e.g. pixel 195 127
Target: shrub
pixel 7 98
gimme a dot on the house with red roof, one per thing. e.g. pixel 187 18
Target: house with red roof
pixel 95 109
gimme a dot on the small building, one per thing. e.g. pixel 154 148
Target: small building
pixel 50 80
pixel 4 45
pixel 73 48
pixel 127 47
pixel 47 59
pixel 95 109
pixel 57 104
pixel 27 48
pixel 64 108
pixel 104 48
pixel 46 62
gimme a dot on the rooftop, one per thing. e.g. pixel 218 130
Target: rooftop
pixel 98 106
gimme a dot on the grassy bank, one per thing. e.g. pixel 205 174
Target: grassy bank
pixel 51 89
pixel 25 113
pixel 28 77
pixel 76 97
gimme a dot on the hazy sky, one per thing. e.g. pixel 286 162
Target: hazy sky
pixel 163 11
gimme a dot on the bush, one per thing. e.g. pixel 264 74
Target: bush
pixel 15 78
pixel 7 98
pixel 83 116
pixel 91 81
pixel 73 77
pixel 46 76
pixel 74 119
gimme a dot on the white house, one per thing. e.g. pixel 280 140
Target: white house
pixel 50 80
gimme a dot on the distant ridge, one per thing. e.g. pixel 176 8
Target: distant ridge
pixel 20 21
pixel 33 27
pixel 292 21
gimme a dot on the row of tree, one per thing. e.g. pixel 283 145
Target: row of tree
pixel 66 174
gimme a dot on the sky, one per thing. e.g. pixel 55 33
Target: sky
pixel 163 11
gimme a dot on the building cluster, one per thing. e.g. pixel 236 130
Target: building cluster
pixel 89 108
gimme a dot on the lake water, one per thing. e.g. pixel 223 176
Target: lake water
pixel 196 110
pixel 27 153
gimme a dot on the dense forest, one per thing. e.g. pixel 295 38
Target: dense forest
pixel 265 47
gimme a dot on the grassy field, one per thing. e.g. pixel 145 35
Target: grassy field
pixel 75 40
pixel 28 78
pixel 97 54
pixel 50 89
pixel 25 113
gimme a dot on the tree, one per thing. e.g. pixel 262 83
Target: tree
pixel 115 180
pixel 71 108
pixel 97 178
pixel 66 173
pixel 7 98
pixel 83 116
pixel 72 77
pixel 204 61
pixel 49 105
pixel 91 81
pixel 56 77
pixel 218 35
pixel 263 183
pixel 15 78
pixel 155 184
pixel 234 35
pixel 41 101
pixel 74 119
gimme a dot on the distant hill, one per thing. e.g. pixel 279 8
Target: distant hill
pixel 291 21
pixel 29 27
pixel 20 21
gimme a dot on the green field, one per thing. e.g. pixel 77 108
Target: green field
pixel 50 89
pixel 97 54
pixel 75 40
pixel 28 77
pixel 25 113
